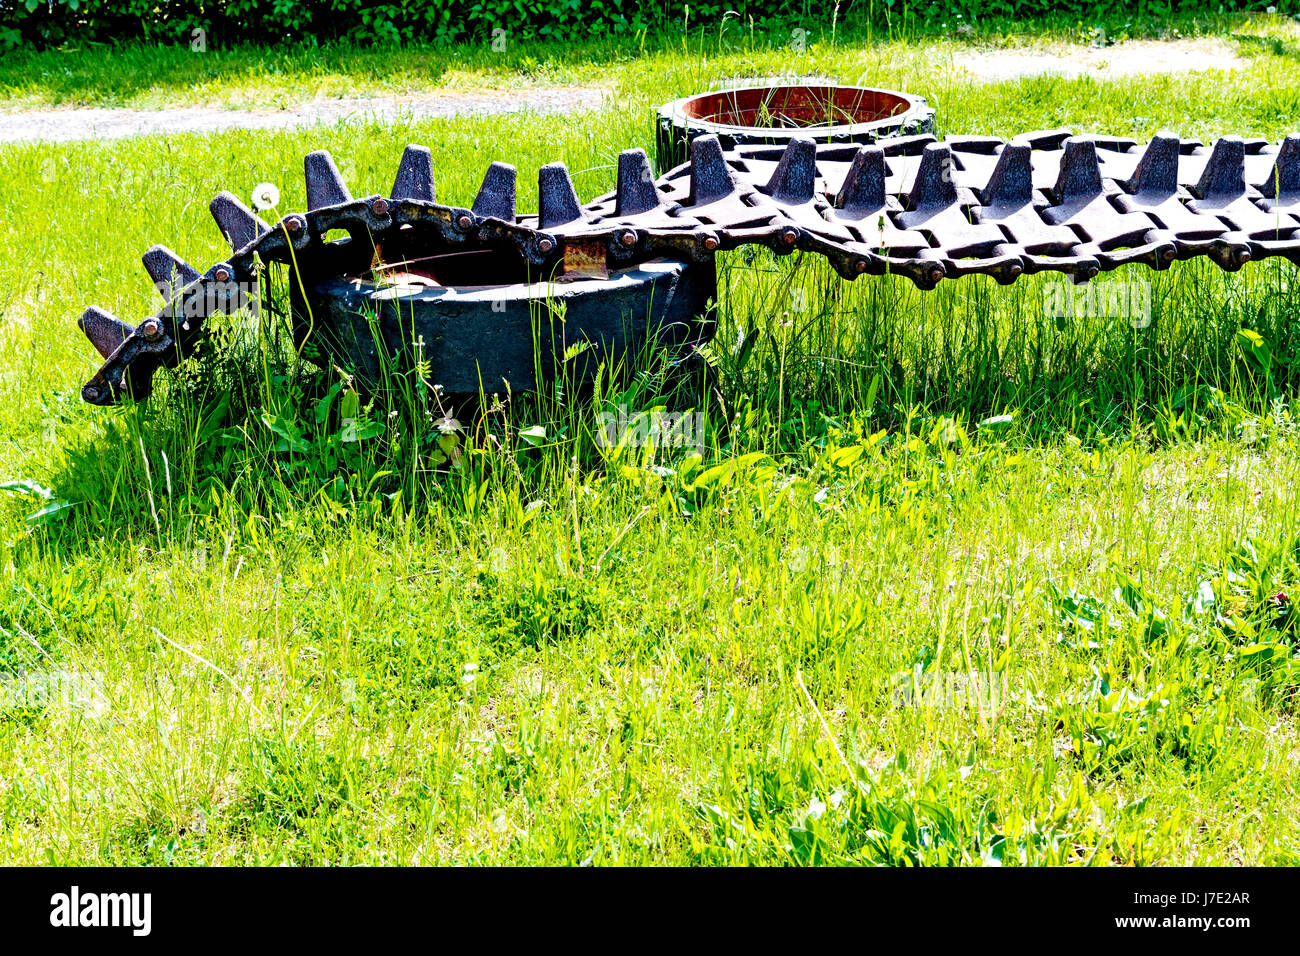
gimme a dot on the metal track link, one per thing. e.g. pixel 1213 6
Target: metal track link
pixel 916 207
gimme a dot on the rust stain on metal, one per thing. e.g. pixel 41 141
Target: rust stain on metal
pixel 585 258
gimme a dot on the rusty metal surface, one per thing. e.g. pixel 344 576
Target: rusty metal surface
pixel 773 113
pixel 916 207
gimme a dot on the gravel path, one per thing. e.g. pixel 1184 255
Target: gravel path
pixel 61 125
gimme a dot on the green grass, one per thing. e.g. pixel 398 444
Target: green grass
pixel 347 652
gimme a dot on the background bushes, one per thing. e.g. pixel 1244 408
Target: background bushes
pixel 41 23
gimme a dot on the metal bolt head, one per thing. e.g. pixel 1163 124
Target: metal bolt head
pixel 222 274
pixel 628 238
pixel 545 245
pixel 860 266
pixel 710 243
pixel 293 224
pixel 464 222
pixel 151 329
pixel 379 207
pixel 91 392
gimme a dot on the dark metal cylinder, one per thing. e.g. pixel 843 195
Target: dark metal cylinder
pixel 491 335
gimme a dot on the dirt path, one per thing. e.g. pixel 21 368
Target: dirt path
pixel 1130 58
pixel 61 125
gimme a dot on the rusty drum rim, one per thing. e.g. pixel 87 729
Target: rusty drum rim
pixel 681 111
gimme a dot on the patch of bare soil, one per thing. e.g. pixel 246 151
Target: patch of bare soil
pixel 61 125
pixel 1129 58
